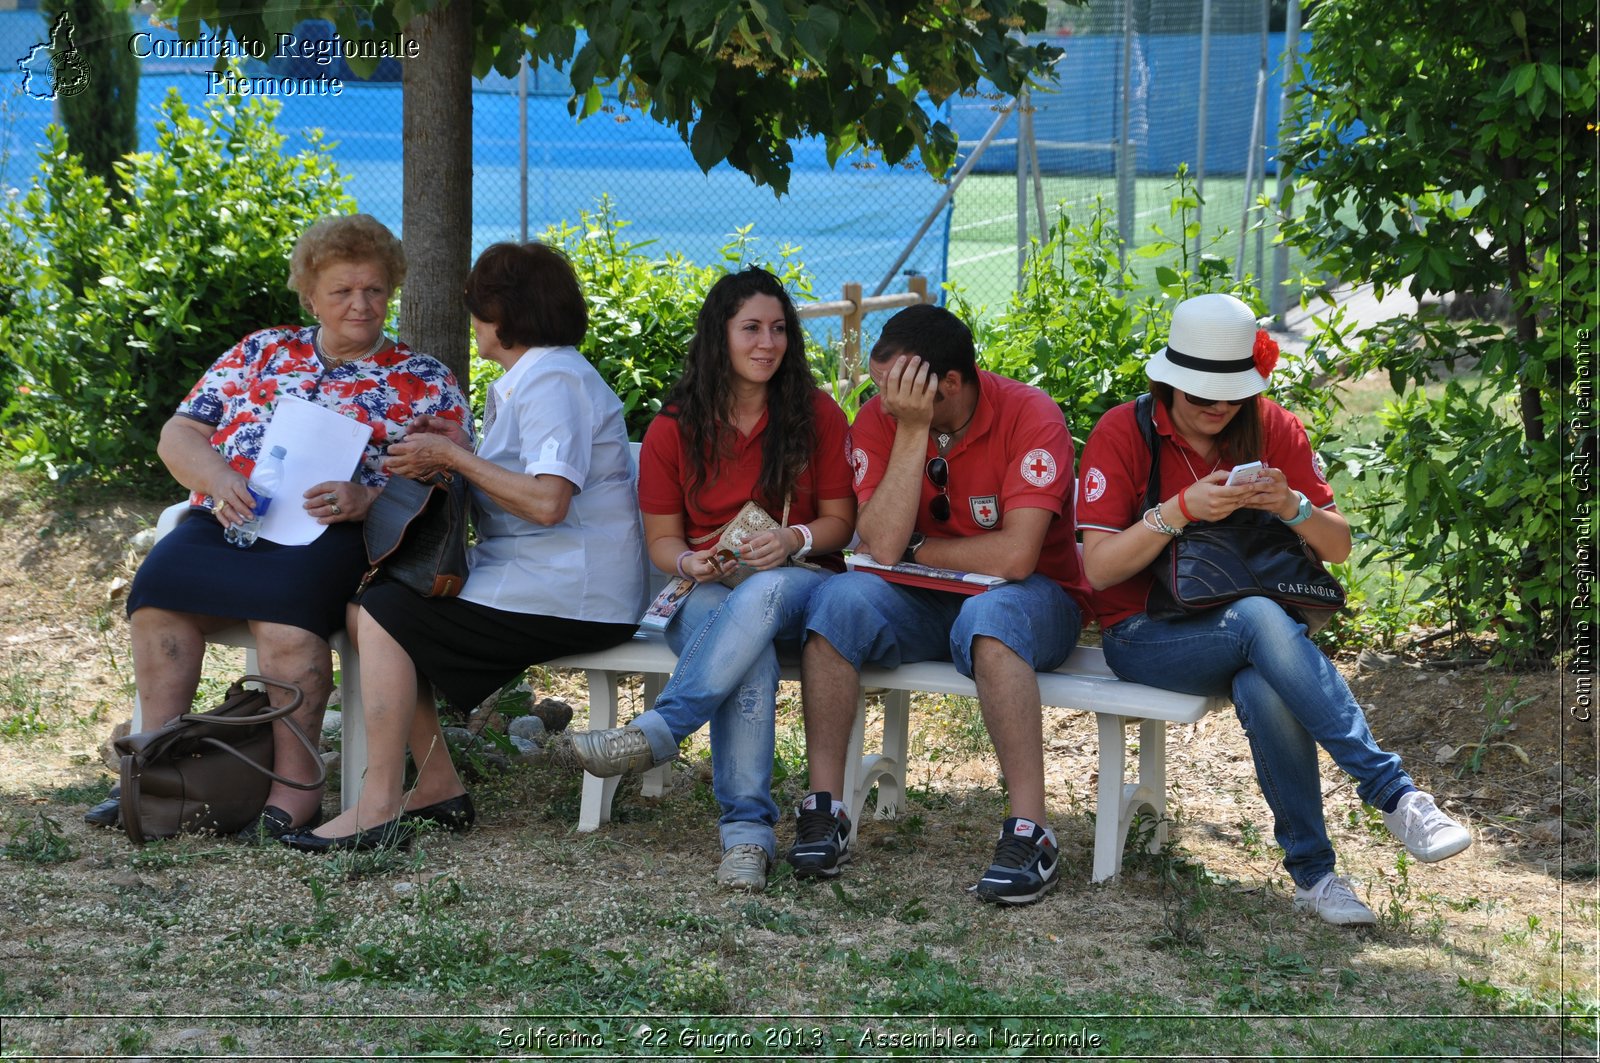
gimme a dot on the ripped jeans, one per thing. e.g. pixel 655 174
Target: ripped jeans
pixel 1287 695
pixel 728 674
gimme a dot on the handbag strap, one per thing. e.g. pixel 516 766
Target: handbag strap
pixel 294 729
pixel 132 825
pixel 269 716
pixel 1144 415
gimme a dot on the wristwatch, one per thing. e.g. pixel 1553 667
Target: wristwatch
pixel 1302 514
pixel 912 546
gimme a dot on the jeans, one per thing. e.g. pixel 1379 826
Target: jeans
pixel 872 621
pixel 1287 695
pixel 727 674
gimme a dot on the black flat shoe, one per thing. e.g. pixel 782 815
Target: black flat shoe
pixel 454 814
pixel 396 833
pixel 108 813
pixel 274 823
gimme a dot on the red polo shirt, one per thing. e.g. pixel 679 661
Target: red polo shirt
pixel 1116 468
pixel 663 472
pixel 1017 454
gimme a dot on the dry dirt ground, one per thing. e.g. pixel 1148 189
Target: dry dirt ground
pixel 122 947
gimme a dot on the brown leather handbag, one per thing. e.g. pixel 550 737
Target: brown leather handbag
pixel 185 777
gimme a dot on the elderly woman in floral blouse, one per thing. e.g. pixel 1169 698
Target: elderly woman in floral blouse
pixel 194 582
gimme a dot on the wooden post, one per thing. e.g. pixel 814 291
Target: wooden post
pixel 919 284
pixel 851 326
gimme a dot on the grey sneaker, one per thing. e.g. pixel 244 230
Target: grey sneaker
pixel 615 752
pixel 744 867
pixel 1333 901
pixel 1427 833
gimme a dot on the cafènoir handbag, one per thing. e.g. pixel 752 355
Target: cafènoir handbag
pixel 1247 554
pixel 416 534
pixel 208 771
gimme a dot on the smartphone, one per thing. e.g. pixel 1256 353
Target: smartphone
pixel 1248 473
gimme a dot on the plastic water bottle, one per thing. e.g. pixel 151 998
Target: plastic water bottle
pixel 262 486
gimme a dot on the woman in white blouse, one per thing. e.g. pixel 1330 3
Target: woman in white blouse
pixel 558 567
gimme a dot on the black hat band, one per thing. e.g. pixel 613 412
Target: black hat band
pixel 1209 365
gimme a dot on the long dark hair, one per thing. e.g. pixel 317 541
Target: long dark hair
pixel 1240 440
pixel 702 399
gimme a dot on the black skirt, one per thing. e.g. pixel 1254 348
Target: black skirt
pixel 468 651
pixel 194 570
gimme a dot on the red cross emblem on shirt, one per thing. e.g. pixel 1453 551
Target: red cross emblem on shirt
pixel 985 510
pixel 1039 467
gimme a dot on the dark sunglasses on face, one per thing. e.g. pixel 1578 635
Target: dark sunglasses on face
pixel 938 471
pixel 1194 400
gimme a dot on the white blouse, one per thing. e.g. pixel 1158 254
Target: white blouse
pixel 554 415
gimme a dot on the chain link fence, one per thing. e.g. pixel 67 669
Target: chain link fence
pixel 1142 87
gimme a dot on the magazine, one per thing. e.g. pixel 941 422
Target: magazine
pixel 665 607
pixel 915 575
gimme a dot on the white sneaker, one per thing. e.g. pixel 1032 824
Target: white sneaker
pixel 1332 900
pixel 744 867
pixel 1427 833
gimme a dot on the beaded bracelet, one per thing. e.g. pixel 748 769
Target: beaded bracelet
pixel 1160 523
pixel 686 553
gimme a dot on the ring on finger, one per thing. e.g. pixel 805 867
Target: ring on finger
pixel 334 506
pixel 331 499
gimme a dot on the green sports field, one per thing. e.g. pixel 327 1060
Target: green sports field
pixel 983 230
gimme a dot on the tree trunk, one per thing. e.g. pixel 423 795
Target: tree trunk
pixel 436 130
pixel 1522 315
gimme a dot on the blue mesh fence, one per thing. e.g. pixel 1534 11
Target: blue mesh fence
pixel 849 223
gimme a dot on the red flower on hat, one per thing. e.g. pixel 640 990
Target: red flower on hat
pixel 1265 352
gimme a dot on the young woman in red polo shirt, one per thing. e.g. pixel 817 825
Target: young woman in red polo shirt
pixel 1287 694
pixel 746 421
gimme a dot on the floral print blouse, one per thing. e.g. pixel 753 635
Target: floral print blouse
pixel 386 390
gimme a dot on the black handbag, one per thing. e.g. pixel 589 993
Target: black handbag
pixel 185 777
pixel 416 534
pixel 1247 554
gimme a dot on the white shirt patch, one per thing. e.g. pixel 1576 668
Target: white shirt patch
pixel 1094 485
pixel 985 510
pixel 1039 467
pixel 858 462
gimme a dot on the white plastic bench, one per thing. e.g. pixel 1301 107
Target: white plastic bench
pixel 1083 683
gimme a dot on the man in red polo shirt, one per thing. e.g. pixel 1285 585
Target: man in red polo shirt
pixel 960 469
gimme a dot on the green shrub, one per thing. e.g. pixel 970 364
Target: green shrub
pixel 642 308
pixel 113 308
pixel 1454 504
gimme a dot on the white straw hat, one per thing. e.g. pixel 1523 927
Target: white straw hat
pixel 1214 350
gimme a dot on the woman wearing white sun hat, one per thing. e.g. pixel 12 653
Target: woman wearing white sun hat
pixel 1210 415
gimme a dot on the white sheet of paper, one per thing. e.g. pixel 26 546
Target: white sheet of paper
pixel 320 445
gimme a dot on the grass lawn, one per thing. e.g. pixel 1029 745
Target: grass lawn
pixel 524 937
